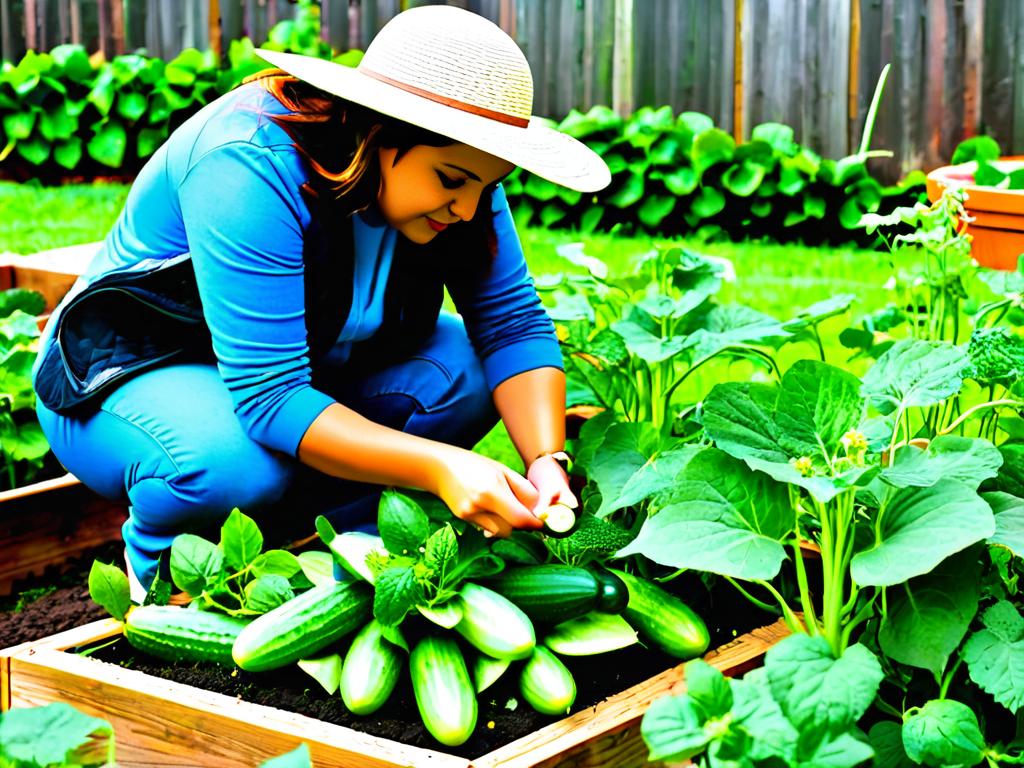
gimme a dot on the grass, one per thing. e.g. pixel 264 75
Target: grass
pixel 37 218
pixel 775 279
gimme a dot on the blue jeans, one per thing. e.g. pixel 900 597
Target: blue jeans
pixel 168 442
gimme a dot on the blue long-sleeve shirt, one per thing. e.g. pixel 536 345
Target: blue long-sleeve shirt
pixel 225 188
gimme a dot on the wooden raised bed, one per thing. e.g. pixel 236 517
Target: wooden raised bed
pixel 52 273
pixel 49 522
pixel 159 722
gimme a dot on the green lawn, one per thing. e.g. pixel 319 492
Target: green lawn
pixel 775 279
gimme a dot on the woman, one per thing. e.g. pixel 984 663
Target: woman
pixel 262 326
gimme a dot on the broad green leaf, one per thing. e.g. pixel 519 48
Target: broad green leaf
pixel 744 178
pixel 317 566
pixel 969 460
pixel 52 734
pixel 150 140
pixel 630 193
pixel 626 448
pixel 708 202
pixel 822 487
pixel 403 524
pixel 1009 513
pixel 720 518
pixel 779 136
pixel 710 147
pixel 656 476
pixel 131 105
pixel 326 670
pixel 240 539
pixel 654 209
pixel 35 150
pixel 730 324
pixel 820 310
pixel 818 691
pixel 442 549
pixel 23 300
pixel 446 615
pixel 673 729
pixel 929 615
pixel 920 528
pixel 943 732
pixel 681 181
pixel 817 405
pixel 995 655
pixel 574 253
pixel 887 740
pixel 1011 474
pixel 645 345
pixel 267 592
pixel 297 758
pixel 708 688
pixel 761 716
pixel 108 145
pixel 695 122
pixel 26 443
pixel 108 588
pixel 68 153
pixel 74 61
pixel 18 125
pixel 195 563
pixel 914 372
pixel 842 751
pixel 57 124
pixel 740 418
pixel 276 561
pixel 976 148
pixel 396 591
pixel 486 671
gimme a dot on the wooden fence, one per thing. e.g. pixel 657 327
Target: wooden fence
pixel 958 65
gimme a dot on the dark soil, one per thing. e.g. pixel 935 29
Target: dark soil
pixel 56 601
pixel 503 716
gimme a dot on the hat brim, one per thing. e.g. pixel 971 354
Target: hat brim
pixel 538 149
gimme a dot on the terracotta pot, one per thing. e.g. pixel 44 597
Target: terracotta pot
pixel 998 226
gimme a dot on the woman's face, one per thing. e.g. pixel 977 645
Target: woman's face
pixel 430 188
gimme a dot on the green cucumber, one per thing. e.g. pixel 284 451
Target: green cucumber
pixel 304 625
pixel 550 593
pixel 444 693
pixel 614 595
pixel 547 684
pixel 371 670
pixel 559 520
pixel 663 620
pixel 183 634
pixel 591 634
pixel 493 624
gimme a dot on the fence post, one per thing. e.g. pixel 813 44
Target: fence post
pixel 213 24
pixel 31 25
pixel 622 71
pixel 974 24
pixel 737 73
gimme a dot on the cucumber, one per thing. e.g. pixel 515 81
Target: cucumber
pixel 371 670
pixel 663 620
pixel 302 626
pixel 559 520
pixel 443 690
pixel 547 684
pixel 614 595
pixel 183 634
pixel 591 634
pixel 493 624
pixel 551 593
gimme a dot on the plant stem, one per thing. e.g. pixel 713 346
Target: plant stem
pixel 876 99
pixel 948 677
pixel 792 620
pixel 759 603
pixel 970 412
pixel 884 706
pixel 805 593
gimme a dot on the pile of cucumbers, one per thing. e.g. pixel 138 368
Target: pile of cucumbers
pixel 532 614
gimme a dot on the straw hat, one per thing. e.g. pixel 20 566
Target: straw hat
pixel 457 74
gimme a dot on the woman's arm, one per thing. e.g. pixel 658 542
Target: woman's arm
pixel 532 406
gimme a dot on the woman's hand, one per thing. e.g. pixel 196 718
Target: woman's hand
pixel 552 484
pixel 485 492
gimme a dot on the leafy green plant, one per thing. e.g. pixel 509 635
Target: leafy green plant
pixel 22 443
pixel 984 150
pixel 54 735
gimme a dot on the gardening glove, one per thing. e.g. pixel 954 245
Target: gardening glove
pixel 551 482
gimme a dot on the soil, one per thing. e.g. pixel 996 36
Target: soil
pixel 56 601
pixel 503 716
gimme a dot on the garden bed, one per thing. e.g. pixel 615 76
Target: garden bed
pixel 173 721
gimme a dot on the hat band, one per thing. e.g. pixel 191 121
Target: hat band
pixel 462 106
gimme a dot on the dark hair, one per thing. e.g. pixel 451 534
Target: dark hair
pixel 339 140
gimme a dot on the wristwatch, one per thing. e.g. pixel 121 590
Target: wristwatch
pixel 563 459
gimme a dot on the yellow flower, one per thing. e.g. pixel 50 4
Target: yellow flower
pixel 854 440
pixel 804 466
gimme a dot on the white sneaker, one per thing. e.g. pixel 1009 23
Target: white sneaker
pixel 136 591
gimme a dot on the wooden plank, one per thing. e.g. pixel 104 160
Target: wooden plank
pixel 1000 23
pixel 76 21
pixel 934 104
pixel 623 101
pixel 974 16
pixel 1017 142
pixel 49 528
pixel 723 109
pixel 739 74
pixel 32 25
pixel 160 722
pixel 610 730
pixel 853 81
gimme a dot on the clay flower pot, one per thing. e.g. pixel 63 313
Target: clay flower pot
pixel 998 226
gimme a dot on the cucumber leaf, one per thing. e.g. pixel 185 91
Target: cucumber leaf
pixel 943 732
pixel 240 539
pixel 915 373
pixel 326 670
pixel 396 592
pixel 995 655
pixel 109 589
pixel 403 524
